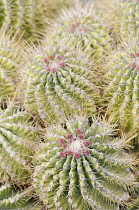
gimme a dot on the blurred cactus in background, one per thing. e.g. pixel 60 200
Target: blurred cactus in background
pixel 83 26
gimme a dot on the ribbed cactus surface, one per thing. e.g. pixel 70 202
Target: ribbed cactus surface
pixel 17 143
pixel 28 17
pixel 10 58
pixel 82 166
pixel 60 81
pixel 84 27
pixel 11 198
pixel 126 16
pixel 122 90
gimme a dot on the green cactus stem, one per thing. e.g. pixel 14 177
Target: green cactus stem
pixel 122 90
pixel 82 166
pixel 84 27
pixel 126 16
pixel 60 81
pixel 11 198
pixel 29 17
pixel 10 58
pixel 17 145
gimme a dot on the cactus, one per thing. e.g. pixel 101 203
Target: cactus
pixel 28 17
pixel 135 205
pixel 60 81
pixel 17 144
pixel 10 59
pixel 83 26
pixel 126 16
pixel 122 89
pixel 83 166
pixel 11 198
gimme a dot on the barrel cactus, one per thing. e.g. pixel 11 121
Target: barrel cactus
pixel 28 17
pixel 10 59
pixel 60 81
pixel 84 27
pixel 122 90
pixel 17 144
pixel 126 16
pixel 83 166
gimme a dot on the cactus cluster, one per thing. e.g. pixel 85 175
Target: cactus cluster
pixel 81 166
pixel 83 26
pixel 59 82
pixel 69 105
pixel 122 89
pixel 126 16
pixel 17 139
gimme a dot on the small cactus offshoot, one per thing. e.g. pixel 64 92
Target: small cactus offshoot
pixel 60 81
pixel 17 144
pixel 82 166
pixel 122 90
pixel 83 26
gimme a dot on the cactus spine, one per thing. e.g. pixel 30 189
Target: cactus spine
pixel 122 89
pixel 83 27
pixel 60 81
pixel 17 140
pixel 83 167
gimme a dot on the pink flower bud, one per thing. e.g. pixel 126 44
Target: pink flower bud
pixel 62 64
pixel 47 68
pixel 62 154
pixel 59 57
pixel 133 64
pixel 51 57
pixel 86 152
pixel 64 146
pixel 62 141
pixel 87 143
pixel 138 54
pixel 81 136
pixel 53 70
pixel 74 139
pixel 132 55
pixel 78 131
pixel 77 155
pixel 46 60
pixel 69 152
pixel 69 136
pixel 72 28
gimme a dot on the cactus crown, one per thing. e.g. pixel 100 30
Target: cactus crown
pixel 83 167
pixel 18 138
pixel 84 27
pixel 60 81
